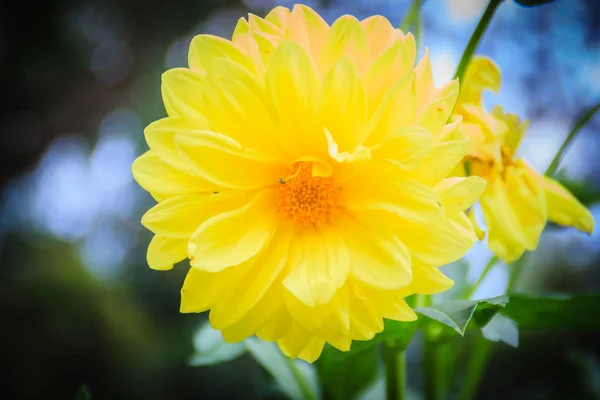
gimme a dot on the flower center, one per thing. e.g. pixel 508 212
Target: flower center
pixel 306 198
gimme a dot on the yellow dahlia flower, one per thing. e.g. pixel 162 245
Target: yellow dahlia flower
pixel 518 201
pixel 302 170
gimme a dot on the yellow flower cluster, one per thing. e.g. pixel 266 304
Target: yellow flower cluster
pixel 308 173
pixel 303 170
pixel 517 201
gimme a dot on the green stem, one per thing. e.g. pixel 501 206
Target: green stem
pixel 307 392
pixel 493 261
pixel 481 351
pixel 576 128
pixel 430 364
pixel 411 16
pixel 515 273
pixel 477 362
pixel 395 371
pixel 430 357
pixel 476 38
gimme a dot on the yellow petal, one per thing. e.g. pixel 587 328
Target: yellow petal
pixel 277 327
pixel 377 257
pixel 480 146
pixel 163 181
pixel 163 252
pixel 453 131
pixel 204 49
pixel 182 91
pixel 479 232
pixel 346 38
pixel 308 29
pixel 482 73
pixel 440 162
pixel 407 146
pixel 348 160
pixel 436 114
pixel 346 120
pixel 223 161
pixel 458 194
pixel 265 268
pixel 294 341
pixel 319 264
pixel 515 128
pixel 342 344
pixel 180 216
pixel 391 66
pixel 258 317
pixel 160 136
pixel 216 246
pixel 329 320
pixel 365 320
pixel 266 44
pixel 238 108
pixel 429 280
pixel 564 208
pixel 202 289
pixel 436 243
pixel 424 81
pixel 258 24
pixel 313 350
pixel 397 110
pixel 528 200
pixel 293 84
pixel 195 295
pixel 279 16
pixel 380 34
pixel 493 127
pixel 246 43
pixel 397 310
pixel 241 29
pixel 382 188
pixel 411 46
pixel 391 304
pixel 507 236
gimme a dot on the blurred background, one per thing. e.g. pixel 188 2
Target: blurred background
pixel 81 79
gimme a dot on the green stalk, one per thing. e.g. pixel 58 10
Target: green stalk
pixel 411 16
pixel 307 392
pixel 476 38
pixel 515 273
pixel 395 371
pixel 576 128
pixel 477 362
pixel 493 261
pixel 430 357
pixel 430 366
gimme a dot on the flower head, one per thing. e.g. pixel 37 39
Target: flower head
pixel 518 201
pixel 303 171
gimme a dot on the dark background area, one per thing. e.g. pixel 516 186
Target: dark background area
pixel 81 79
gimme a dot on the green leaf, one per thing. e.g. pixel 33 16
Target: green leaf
pixel 210 348
pixel 557 311
pixel 297 379
pixel 83 393
pixel 533 3
pixel 345 378
pixel 401 332
pixel 502 329
pixel 457 314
